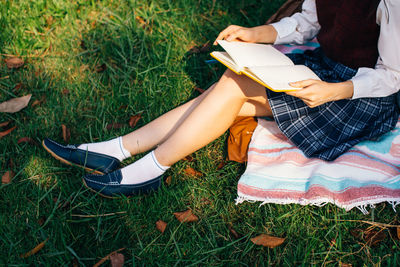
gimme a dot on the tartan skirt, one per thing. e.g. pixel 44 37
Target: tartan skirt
pixel 329 130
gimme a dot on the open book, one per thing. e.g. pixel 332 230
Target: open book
pixel 264 64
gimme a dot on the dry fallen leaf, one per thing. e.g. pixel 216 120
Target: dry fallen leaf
pixel 2 124
pixel 34 250
pixel 14 62
pixel 15 104
pixel 101 68
pixel 189 158
pixel 7 177
pixel 117 260
pixel 38 101
pixel 341 264
pixel 267 240
pixel 186 216
pixel 4 133
pixel 17 87
pixel 373 237
pixel 27 140
pixel 168 180
pixel 192 172
pixel 141 21
pixel 66 133
pixel 398 232
pixel 107 257
pixel 134 120
pixel 233 232
pixel 65 91
pixel 161 225
pixel 221 165
pixel 114 125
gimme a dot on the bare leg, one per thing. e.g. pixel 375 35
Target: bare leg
pixel 213 116
pixel 158 130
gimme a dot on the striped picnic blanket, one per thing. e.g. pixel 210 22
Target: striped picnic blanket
pixel 278 172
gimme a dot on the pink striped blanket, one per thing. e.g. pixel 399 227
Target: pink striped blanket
pixel 278 172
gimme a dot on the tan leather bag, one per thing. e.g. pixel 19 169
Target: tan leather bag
pixel 242 129
pixel 240 134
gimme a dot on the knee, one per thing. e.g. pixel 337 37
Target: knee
pixel 230 84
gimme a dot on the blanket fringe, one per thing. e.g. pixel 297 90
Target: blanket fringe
pixel 364 207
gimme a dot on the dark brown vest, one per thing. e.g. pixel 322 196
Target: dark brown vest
pixel 349 33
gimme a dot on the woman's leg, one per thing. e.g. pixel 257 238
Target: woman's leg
pixel 158 130
pixel 233 95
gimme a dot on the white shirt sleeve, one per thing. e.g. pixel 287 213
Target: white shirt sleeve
pixel 300 27
pixel 384 80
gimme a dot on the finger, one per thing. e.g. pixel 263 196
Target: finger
pixel 302 84
pixel 234 35
pixel 225 33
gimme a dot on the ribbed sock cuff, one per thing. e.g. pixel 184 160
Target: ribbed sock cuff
pixel 124 152
pixel 162 167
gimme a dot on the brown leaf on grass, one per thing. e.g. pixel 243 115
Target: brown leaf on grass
pixel 192 172
pixel 14 62
pixel 141 22
pixel 186 216
pixel 4 133
pixel 65 133
pixel 38 102
pixel 161 226
pixel 107 257
pixel 83 67
pixel 7 177
pixel 65 91
pixel 398 232
pixel 49 20
pixel 233 232
pixel 41 220
pixel 34 250
pixel 168 180
pixel 189 158
pixel 2 124
pixel 101 68
pixel 17 87
pixel 221 165
pixel 198 89
pixel 15 104
pixel 27 140
pixel 134 120
pixel 341 264
pixel 267 240
pixel 374 237
pixel 117 260
pixel 114 125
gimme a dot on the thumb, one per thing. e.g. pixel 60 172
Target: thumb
pixel 302 84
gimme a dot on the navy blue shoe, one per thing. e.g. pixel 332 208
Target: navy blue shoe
pixel 72 155
pixel 109 185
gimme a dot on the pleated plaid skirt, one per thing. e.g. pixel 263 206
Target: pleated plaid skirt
pixel 329 130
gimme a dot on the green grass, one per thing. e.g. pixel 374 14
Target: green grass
pixel 149 69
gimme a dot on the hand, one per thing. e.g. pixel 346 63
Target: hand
pixel 260 34
pixel 315 92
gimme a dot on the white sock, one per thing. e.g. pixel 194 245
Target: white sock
pixel 142 170
pixel 113 148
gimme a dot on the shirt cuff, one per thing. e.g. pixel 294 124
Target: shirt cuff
pixel 284 28
pixel 362 84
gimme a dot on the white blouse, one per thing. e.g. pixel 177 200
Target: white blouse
pixel 384 79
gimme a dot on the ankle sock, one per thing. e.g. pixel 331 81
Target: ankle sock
pixel 143 170
pixel 113 148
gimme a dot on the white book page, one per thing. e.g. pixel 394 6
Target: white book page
pixel 279 77
pixel 251 55
pixel 224 57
